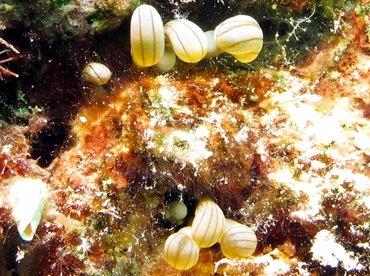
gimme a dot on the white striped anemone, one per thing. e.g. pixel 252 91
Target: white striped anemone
pixel 146 36
pixel 240 36
pixel 27 198
pixel 188 40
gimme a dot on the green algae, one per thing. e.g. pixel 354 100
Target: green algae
pixel 99 19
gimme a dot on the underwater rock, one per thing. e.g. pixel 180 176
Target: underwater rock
pixel 50 20
pixel 281 144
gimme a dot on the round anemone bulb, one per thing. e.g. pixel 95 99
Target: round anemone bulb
pixel 168 60
pixel 208 224
pixel 239 35
pixel 175 211
pixel 146 36
pixel 95 72
pixel 238 240
pixel 212 49
pixel 181 251
pixel 188 41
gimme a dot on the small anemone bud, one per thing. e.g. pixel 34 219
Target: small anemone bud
pixel 208 224
pixel 175 211
pixel 97 73
pixel 212 49
pixel 167 62
pixel 238 240
pixel 181 251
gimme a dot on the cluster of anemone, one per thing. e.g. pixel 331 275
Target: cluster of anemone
pixel 209 226
pixel 153 43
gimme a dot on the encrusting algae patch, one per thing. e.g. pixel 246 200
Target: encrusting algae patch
pixel 283 149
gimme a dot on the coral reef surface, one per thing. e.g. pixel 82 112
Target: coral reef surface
pixel 281 144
